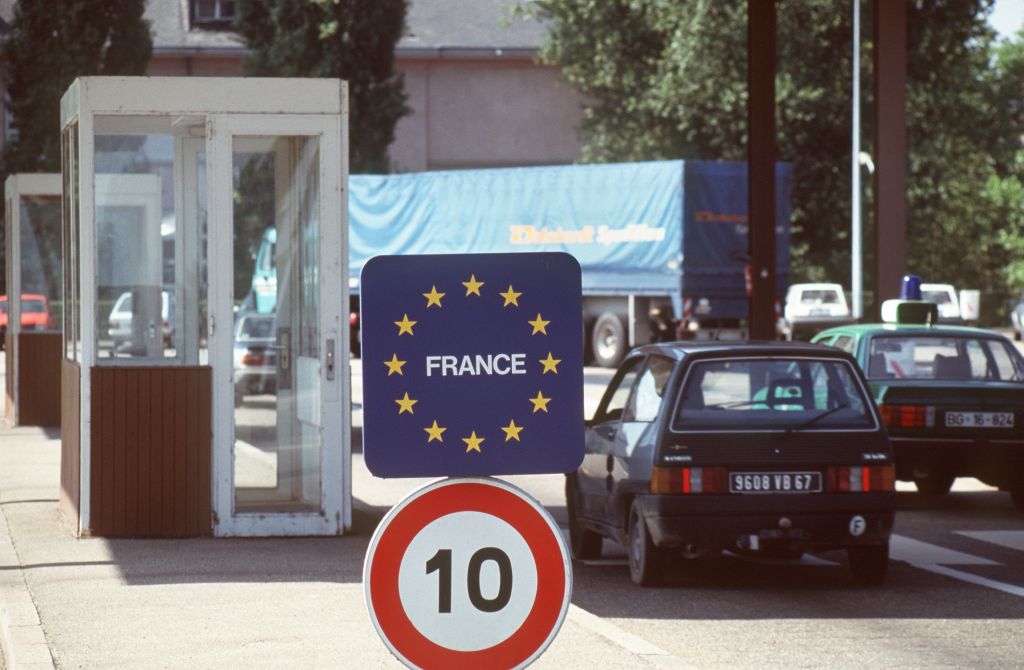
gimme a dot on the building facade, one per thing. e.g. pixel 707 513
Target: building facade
pixel 478 97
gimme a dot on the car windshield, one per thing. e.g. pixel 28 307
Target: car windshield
pixel 256 327
pixel 943 357
pixel 771 394
pixel 33 306
pixel 819 297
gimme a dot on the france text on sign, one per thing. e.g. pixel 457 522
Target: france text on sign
pixel 472 364
pixel 467 573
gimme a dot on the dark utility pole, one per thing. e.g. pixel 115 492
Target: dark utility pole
pixel 890 178
pixel 761 165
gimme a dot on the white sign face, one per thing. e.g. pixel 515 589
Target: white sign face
pixel 457 582
pixel 467 573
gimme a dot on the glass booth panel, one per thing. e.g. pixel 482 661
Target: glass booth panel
pixel 277 445
pixel 41 303
pixel 150 240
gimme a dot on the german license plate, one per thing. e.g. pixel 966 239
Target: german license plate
pixel 979 419
pixel 775 482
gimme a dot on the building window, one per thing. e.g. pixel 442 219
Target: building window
pixel 213 11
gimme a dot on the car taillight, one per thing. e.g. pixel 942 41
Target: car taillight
pixel 688 480
pixel 860 478
pixel 254 359
pixel 907 416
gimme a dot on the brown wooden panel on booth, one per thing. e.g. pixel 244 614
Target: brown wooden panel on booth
pixel 70 443
pixel 39 373
pixel 9 382
pixel 151 462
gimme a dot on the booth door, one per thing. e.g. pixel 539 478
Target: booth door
pixel 276 360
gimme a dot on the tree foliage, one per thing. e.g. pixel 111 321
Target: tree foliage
pixel 50 44
pixel 667 79
pixel 351 39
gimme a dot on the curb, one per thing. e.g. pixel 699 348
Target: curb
pixel 21 634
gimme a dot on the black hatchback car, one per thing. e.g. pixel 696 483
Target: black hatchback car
pixel 768 449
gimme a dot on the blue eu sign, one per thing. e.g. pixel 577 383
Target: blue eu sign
pixel 472 364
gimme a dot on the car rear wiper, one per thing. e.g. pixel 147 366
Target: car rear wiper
pixel 813 420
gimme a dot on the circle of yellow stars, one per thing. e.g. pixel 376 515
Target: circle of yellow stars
pixel 510 297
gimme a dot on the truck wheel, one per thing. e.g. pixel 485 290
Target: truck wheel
pixel 608 340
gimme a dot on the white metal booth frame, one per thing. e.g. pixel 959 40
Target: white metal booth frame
pixel 196 414
pixel 32 205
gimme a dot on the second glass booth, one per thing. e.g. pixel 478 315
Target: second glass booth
pixel 202 409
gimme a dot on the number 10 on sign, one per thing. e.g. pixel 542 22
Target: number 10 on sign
pixel 467 571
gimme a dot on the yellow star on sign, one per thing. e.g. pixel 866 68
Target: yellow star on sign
pixel 405 325
pixel 550 364
pixel 405 404
pixel 434 432
pixel 539 325
pixel 472 286
pixel 540 403
pixel 434 297
pixel 512 431
pixel 473 442
pixel 395 365
pixel 511 297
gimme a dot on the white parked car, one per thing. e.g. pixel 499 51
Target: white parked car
pixel 813 307
pixel 120 319
pixel 945 296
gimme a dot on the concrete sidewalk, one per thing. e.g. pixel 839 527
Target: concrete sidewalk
pixel 208 603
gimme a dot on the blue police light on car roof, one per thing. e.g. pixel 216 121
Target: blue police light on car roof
pixel 910 308
pixel 910 289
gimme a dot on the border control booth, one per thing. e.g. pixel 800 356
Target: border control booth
pixel 31 312
pixel 185 411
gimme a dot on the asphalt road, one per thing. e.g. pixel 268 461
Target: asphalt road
pixel 953 598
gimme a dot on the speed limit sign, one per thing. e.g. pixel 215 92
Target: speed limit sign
pixel 467 572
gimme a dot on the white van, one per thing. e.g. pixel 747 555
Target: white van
pixel 945 296
pixel 812 307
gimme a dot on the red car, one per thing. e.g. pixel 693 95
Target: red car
pixel 35 313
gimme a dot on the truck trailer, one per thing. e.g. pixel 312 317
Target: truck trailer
pixel 662 244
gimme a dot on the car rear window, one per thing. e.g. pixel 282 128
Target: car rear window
pixel 257 328
pixel 819 296
pixel 772 393
pixel 938 297
pixel 943 358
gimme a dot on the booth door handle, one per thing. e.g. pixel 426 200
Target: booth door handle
pixel 329 363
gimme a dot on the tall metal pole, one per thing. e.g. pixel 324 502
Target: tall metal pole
pixel 856 251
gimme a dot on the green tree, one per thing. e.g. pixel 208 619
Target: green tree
pixel 50 44
pixel 667 79
pixel 350 39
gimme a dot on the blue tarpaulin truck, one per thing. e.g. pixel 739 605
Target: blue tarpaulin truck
pixel 662 244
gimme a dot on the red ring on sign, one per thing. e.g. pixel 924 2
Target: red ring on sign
pixel 491 499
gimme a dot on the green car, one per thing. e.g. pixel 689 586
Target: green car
pixel 952 399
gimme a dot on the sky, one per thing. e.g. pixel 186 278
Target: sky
pixel 1007 17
